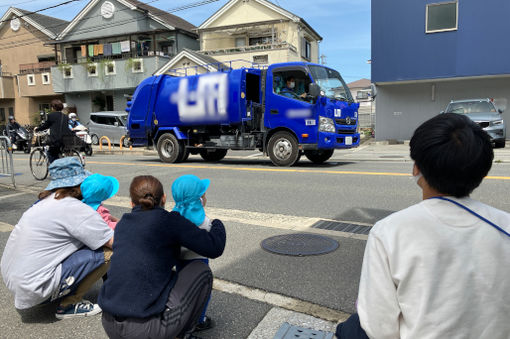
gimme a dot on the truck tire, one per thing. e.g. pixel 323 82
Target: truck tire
pixel 319 156
pixel 283 149
pixel 184 156
pixel 213 156
pixel 169 148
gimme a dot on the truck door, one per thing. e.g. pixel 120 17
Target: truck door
pixel 140 110
pixel 287 103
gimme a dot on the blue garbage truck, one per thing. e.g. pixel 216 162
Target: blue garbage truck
pixel 285 111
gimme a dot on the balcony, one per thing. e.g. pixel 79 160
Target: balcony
pixel 253 48
pixel 104 74
pixel 38 67
pixel 6 86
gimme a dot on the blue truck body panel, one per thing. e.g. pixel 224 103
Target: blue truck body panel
pixel 216 108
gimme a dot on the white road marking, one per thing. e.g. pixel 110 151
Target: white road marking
pixel 279 300
pixel 12 195
pixel 281 221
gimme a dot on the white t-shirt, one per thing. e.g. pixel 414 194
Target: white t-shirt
pixel 187 254
pixel 47 233
pixel 435 271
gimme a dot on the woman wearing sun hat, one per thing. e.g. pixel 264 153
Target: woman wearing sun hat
pixel 59 248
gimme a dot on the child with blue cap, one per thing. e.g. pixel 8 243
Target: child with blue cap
pixel 188 192
pixel 97 188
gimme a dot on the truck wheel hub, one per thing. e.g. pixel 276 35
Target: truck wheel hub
pixel 282 149
pixel 167 149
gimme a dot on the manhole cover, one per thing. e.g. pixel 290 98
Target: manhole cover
pixel 288 331
pixel 299 244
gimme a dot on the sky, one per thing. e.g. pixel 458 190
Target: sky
pixel 343 24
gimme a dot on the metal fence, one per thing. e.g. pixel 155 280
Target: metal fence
pixel 6 164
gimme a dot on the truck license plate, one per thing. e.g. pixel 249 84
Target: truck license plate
pixel 348 140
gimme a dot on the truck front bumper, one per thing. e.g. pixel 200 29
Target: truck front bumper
pixel 333 140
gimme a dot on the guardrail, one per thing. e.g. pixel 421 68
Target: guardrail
pixel 7 167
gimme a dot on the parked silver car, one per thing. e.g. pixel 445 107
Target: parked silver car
pixel 485 114
pixel 111 124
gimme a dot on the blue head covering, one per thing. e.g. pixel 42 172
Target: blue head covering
pixel 186 191
pixel 97 188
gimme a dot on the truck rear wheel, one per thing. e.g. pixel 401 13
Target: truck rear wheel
pixel 319 156
pixel 169 148
pixel 283 149
pixel 215 155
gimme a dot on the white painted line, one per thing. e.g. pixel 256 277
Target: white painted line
pixel 269 326
pixel 12 195
pixel 4 227
pixel 279 300
pixel 281 221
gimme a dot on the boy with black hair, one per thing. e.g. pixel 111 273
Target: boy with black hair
pixel 438 269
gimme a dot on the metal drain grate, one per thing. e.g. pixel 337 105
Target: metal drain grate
pixel 288 331
pixel 299 244
pixel 342 226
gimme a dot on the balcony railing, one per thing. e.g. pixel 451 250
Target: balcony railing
pixel 123 56
pixel 253 48
pixel 5 74
pixel 38 67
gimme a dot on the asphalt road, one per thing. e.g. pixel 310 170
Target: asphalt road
pixel 258 201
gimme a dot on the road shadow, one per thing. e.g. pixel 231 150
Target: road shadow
pixel 363 214
pixel 253 162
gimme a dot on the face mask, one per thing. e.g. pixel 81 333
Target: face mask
pixel 416 178
pixel 73 119
pixel 292 85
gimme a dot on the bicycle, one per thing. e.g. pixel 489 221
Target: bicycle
pixel 39 161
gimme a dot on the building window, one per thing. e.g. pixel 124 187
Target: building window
pixel 11 111
pixel 31 79
pixel 442 17
pixel 261 59
pixel 109 68
pixel 363 94
pixel 137 66
pixel 306 49
pixel 2 114
pixel 46 78
pixel 67 72
pixel 44 107
pixel 263 40
pixel 240 41
pixel 92 69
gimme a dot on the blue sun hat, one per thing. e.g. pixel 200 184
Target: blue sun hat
pixel 66 172
pixel 186 191
pixel 97 188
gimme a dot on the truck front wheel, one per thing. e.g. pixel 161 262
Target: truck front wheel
pixel 169 148
pixel 283 149
pixel 215 155
pixel 320 156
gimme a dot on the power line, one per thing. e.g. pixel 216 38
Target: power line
pixel 102 26
pixel 40 10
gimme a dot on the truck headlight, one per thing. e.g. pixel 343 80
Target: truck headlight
pixel 326 125
pixel 497 122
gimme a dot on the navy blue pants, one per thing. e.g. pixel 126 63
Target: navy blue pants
pixel 351 329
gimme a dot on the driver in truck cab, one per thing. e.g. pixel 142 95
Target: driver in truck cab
pixel 289 90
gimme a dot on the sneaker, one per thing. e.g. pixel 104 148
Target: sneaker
pixel 82 309
pixel 208 323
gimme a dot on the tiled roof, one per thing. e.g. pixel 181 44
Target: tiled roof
pixel 168 18
pixel 52 24
pixel 361 83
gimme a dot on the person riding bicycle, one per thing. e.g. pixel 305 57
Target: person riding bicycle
pixel 57 122
pixel 73 122
pixel 11 128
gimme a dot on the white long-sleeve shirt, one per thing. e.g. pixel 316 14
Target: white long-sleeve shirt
pixel 434 270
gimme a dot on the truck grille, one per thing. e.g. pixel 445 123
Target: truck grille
pixel 351 121
pixel 346 131
pixel 483 124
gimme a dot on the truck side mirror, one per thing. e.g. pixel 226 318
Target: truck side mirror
pixel 500 110
pixel 314 90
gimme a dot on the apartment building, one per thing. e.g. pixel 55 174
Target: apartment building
pixel 25 64
pixel 110 47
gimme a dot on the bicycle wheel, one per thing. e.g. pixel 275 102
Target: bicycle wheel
pixel 39 164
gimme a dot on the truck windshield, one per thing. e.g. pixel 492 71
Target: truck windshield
pixel 331 83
